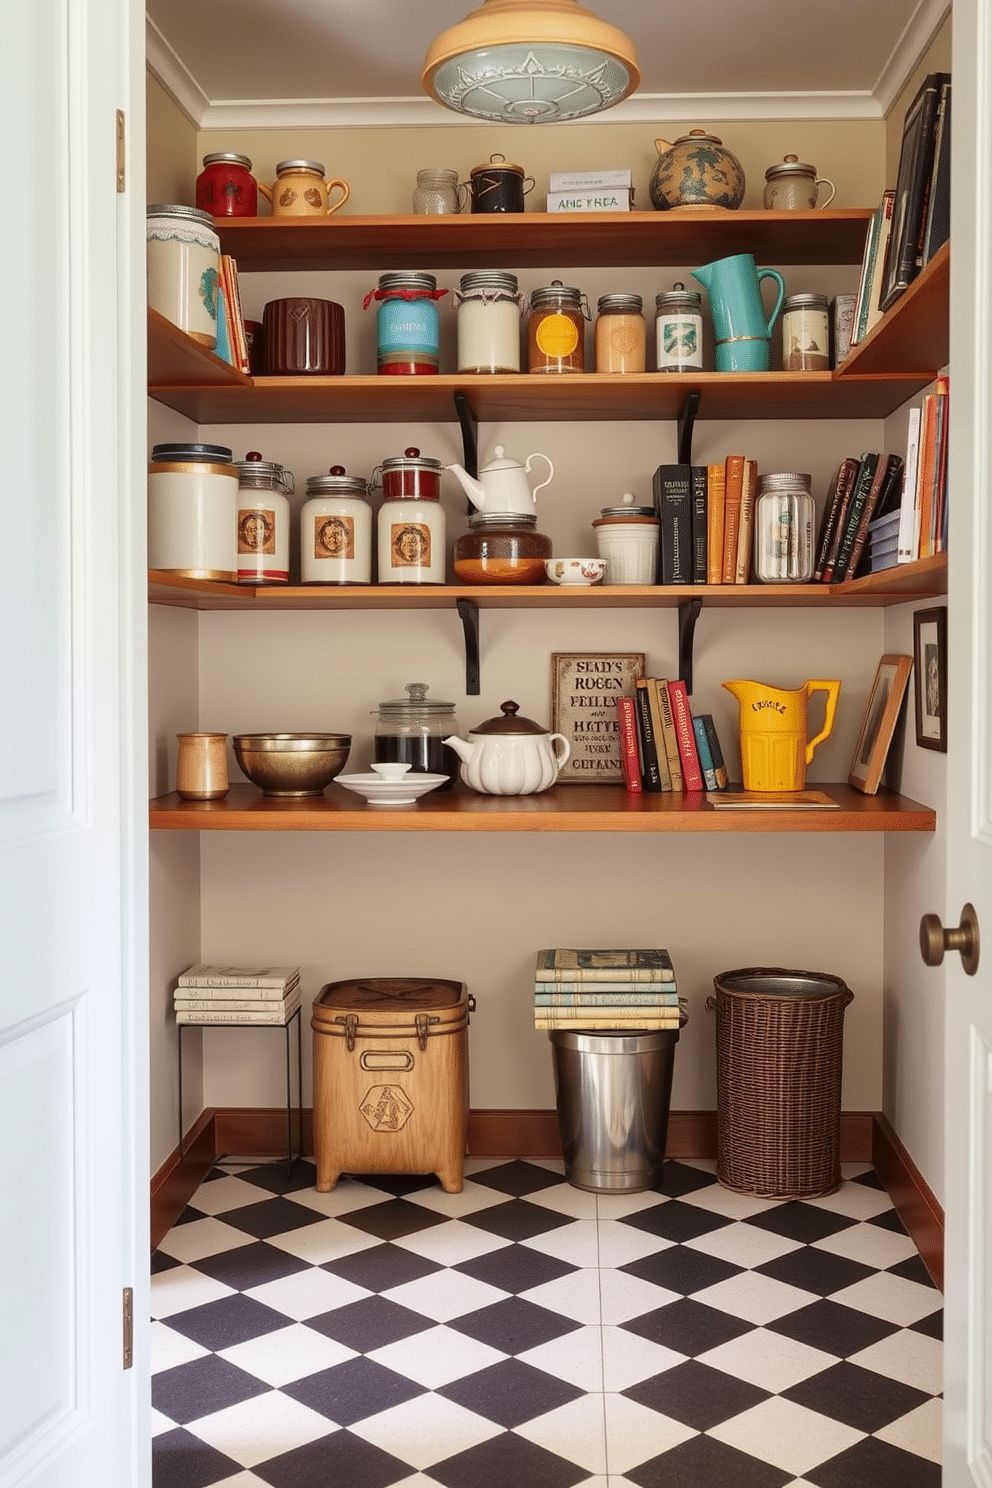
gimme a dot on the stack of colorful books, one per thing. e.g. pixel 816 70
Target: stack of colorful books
pixel 237 994
pixel 612 989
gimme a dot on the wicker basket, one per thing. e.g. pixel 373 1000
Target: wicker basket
pixel 779 1055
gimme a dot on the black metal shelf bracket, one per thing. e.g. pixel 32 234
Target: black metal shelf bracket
pixel 470 435
pixel 688 615
pixel 687 419
pixel 468 613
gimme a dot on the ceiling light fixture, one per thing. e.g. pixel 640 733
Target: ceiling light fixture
pixel 530 62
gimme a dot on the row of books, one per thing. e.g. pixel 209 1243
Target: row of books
pixel 664 746
pixel 913 219
pixel 706 521
pixel 861 492
pixel 590 191
pixel 605 989
pixel 237 994
pixel 923 513
pixel 232 343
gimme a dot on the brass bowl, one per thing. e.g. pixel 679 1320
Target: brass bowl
pixel 291 764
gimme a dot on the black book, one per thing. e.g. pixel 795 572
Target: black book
pixel 647 745
pixel 700 509
pixel 856 507
pixel 672 485
pixel 915 169
pixel 833 515
pixel 937 227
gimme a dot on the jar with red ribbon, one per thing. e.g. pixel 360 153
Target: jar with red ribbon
pixel 226 187
pixel 407 323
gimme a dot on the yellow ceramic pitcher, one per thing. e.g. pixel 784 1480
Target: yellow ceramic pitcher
pixel 774 749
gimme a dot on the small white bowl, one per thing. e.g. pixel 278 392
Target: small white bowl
pixel 575 570
pixel 380 792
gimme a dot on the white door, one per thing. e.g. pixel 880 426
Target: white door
pixel 73 1164
pixel 968 1023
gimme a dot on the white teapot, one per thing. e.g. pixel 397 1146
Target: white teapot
pixel 502 485
pixel 510 756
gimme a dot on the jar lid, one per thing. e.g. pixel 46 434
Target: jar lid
pixel 509 723
pixel 493 280
pixel 785 481
pixel 696 135
pixel 679 298
pixel 337 483
pixel 501 521
pixel 407 279
pixel 804 302
pixel 628 508
pixel 555 293
pixel 192 454
pixel 791 165
pixel 264 475
pixel 411 459
pixel 227 157
pixel 500 163
pixel 299 165
pixel 632 303
pixel 416 701
pixel 177 209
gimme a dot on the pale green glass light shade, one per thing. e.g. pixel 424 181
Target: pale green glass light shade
pixel 530 62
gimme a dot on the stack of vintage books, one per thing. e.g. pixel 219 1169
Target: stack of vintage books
pixel 612 989
pixel 237 994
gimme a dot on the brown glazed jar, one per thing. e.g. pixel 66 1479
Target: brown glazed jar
pixel 501 548
pixel 303 336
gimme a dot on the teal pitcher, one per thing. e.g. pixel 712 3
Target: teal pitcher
pixel 741 324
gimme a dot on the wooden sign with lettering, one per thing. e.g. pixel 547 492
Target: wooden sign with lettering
pixel 584 692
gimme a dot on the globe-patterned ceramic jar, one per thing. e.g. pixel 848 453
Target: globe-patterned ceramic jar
pixel 696 171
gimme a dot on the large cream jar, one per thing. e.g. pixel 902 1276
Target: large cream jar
pixel 193 511
pixel 183 252
pixel 336 530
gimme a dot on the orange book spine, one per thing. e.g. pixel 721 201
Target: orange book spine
pixel 928 473
pixel 745 530
pixel 716 481
pixel 731 517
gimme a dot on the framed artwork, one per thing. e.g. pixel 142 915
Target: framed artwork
pixel 584 691
pixel 878 725
pixel 930 656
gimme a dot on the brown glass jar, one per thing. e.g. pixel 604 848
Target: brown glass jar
pixel 556 333
pixel 501 548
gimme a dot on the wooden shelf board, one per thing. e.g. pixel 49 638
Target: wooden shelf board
pixel 924 580
pixel 562 809
pixel 916 330
pixel 177 361
pixel 540 240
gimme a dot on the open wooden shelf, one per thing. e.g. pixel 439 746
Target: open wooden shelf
pixel 564 808
pixel 915 332
pixel 926 579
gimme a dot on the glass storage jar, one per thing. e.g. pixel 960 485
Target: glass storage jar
pixel 413 730
pixel 263 520
pixel 407 324
pixel 783 529
pixel 501 548
pixel 678 330
pixel 488 318
pixel 805 333
pixel 556 333
pixel 336 530
pixel 438 192
pixel 411 524
pixel 620 333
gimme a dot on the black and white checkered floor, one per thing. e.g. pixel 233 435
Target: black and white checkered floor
pixel 525 1334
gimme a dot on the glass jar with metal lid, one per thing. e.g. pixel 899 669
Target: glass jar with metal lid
pixel 783 529
pixel 412 730
pixel 501 548
pixel 805 333
pixel 627 538
pixel 411 525
pixel 489 307
pixel 192 510
pixel 678 330
pixel 263 520
pixel 407 324
pixel 183 269
pixel 226 187
pixel 556 333
pixel 336 529
pixel 620 333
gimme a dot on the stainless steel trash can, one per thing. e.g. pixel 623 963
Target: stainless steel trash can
pixel 613 1092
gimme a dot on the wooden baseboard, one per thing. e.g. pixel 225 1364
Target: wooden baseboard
pixel 865 1136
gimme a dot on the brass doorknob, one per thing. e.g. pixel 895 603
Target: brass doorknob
pixel 935 940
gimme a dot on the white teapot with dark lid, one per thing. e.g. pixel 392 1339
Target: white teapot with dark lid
pixel 503 486
pixel 510 756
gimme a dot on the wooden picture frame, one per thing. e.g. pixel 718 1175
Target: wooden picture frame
pixel 930 682
pixel 879 722
pixel 585 686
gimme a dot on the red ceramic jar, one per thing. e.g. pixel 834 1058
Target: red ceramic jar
pixel 226 187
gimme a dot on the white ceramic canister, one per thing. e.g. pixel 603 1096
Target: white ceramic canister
pixel 793 186
pixel 263 520
pixel 193 511
pixel 183 252
pixel 489 309
pixel 627 538
pixel 336 530
pixel 412 533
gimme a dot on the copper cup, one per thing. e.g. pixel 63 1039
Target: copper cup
pixel 301 335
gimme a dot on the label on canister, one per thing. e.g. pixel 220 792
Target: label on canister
pixel 557 336
pixel 407 331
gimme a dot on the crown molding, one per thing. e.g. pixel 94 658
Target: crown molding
pixel 166 66
pixel 930 15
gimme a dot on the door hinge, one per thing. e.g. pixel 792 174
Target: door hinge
pixel 128 1326
pixel 121 173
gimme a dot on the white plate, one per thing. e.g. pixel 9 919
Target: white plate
pixel 379 792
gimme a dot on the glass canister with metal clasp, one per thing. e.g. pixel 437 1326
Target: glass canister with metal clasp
pixel 413 730
pixel 336 530
pixel 556 332
pixel 412 532
pixel 783 529
pixel 678 330
pixel 489 307
pixel 407 323
pixel 263 520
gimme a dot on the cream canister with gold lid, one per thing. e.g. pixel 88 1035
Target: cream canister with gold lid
pixel 193 511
